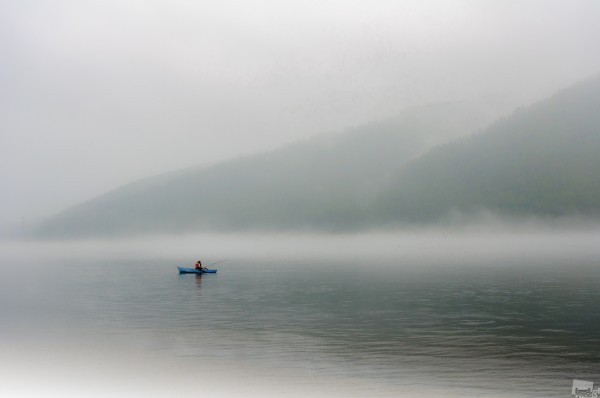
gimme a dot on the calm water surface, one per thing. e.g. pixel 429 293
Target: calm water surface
pixel 483 328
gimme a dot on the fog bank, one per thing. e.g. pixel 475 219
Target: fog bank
pixel 411 247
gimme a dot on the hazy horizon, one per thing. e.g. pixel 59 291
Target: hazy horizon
pixel 96 95
pixel 402 198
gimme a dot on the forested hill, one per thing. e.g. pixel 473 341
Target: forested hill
pixel 327 182
pixel 543 160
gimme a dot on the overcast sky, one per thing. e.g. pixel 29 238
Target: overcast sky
pixel 95 94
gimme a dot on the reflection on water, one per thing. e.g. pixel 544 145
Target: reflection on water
pixel 198 279
pixel 521 329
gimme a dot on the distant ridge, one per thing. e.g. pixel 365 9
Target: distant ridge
pixel 543 160
pixel 326 182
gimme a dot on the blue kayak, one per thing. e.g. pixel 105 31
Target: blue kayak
pixel 183 270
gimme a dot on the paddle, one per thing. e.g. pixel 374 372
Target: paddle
pixel 218 262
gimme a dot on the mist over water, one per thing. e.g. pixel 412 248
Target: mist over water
pixel 465 313
pixel 440 239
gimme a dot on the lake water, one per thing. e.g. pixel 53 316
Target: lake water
pixel 438 320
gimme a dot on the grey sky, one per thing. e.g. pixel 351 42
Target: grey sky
pixel 94 94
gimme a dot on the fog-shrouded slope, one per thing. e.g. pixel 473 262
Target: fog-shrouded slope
pixel 542 161
pixel 326 182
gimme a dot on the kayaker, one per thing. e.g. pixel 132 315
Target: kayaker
pixel 199 266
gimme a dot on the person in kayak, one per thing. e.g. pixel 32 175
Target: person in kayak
pixel 199 266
